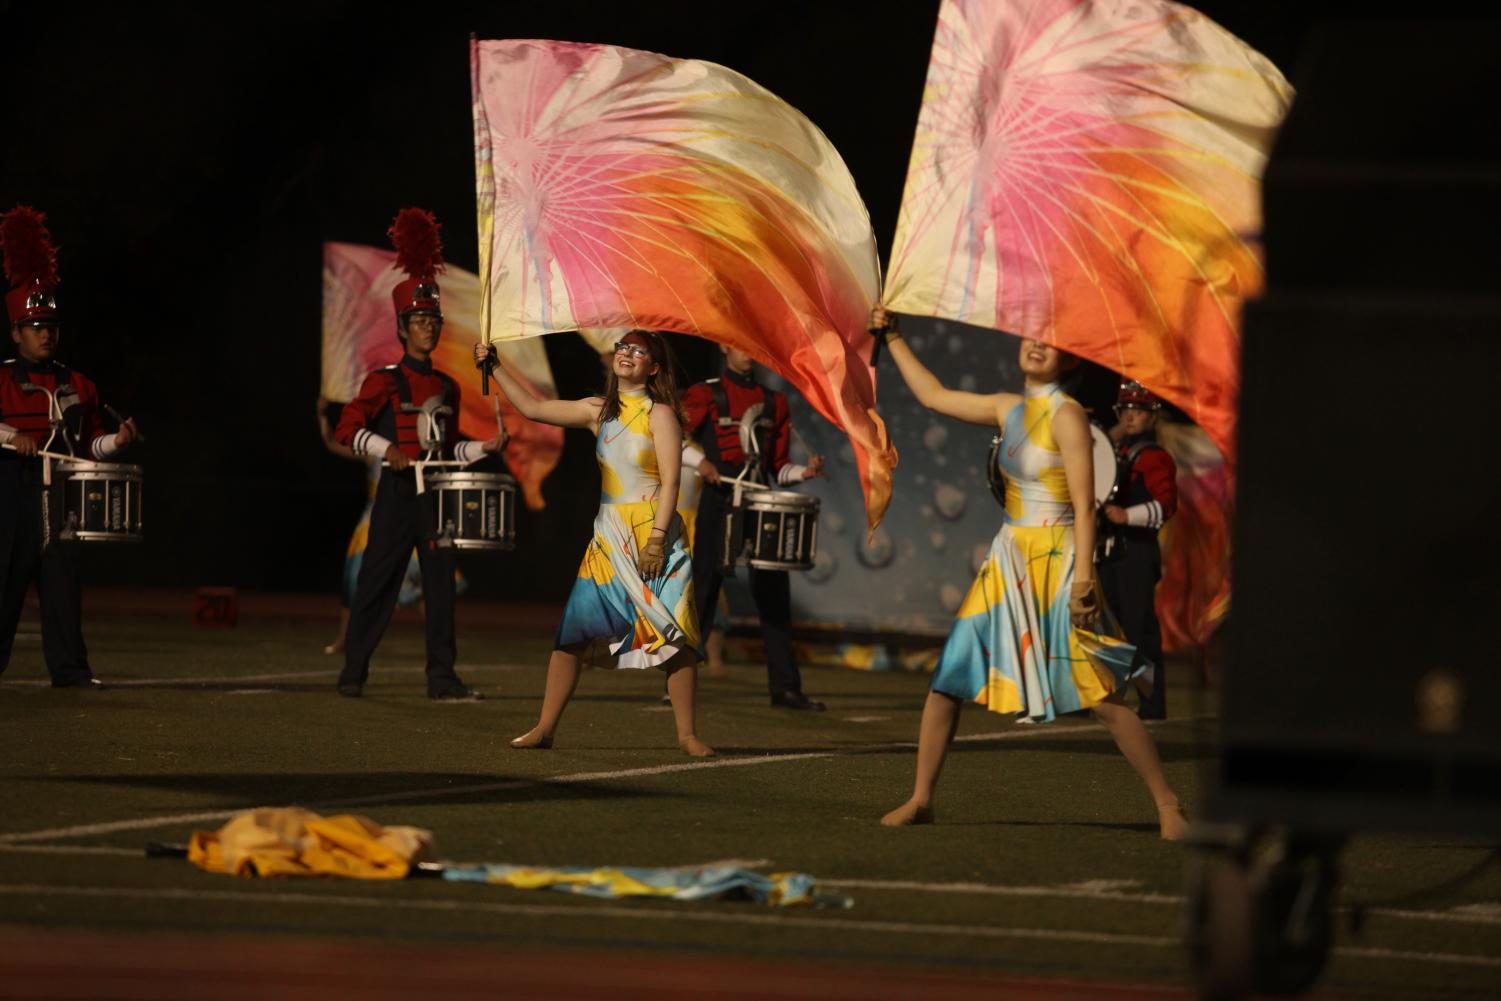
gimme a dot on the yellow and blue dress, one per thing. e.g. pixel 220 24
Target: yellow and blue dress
pixel 647 622
pixel 1013 647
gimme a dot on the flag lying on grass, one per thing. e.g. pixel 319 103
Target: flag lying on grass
pixel 359 334
pixel 621 188
pixel 1088 174
pixel 290 841
pixel 708 882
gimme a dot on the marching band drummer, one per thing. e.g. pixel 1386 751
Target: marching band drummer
pixel 1147 496
pixel 714 410
pixel 43 406
pixel 400 412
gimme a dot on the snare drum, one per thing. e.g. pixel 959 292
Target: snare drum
pixel 781 529
pixel 475 510
pixel 101 502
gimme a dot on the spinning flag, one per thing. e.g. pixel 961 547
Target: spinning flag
pixel 620 188
pixel 1088 174
pixel 359 334
pixel 1193 597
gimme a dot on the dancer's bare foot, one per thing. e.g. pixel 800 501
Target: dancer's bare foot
pixel 695 748
pixel 909 813
pixel 533 740
pixel 1172 821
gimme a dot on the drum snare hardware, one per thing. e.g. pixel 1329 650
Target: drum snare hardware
pixel 102 502
pixel 475 510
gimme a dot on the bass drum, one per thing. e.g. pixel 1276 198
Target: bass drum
pixel 1102 452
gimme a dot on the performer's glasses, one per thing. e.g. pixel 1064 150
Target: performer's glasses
pixel 634 350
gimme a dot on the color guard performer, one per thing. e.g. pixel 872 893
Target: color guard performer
pixel 714 412
pixel 1146 497
pixel 1031 638
pixel 44 407
pixel 401 413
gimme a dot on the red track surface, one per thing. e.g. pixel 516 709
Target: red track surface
pixel 38 965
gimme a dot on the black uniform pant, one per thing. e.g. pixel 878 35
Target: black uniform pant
pixel 1130 584
pixel 771 589
pixel 400 520
pixel 54 571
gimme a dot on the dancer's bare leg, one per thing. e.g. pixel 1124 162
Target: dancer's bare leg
pixel 562 679
pixel 1141 751
pixel 714 650
pixel 682 685
pixel 337 646
pixel 940 718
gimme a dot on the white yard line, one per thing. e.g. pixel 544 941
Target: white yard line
pixel 145 823
pixel 638 914
pixel 230 679
pixel 1092 890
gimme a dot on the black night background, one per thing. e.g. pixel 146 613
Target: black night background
pixel 193 158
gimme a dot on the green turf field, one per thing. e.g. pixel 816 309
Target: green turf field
pixel 1045 861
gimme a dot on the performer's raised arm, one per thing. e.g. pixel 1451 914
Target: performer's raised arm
pixel 560 413
pixel 975 408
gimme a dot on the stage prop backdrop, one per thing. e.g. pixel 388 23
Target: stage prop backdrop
pixel 911 574
pixel 621 188
pixel 359 334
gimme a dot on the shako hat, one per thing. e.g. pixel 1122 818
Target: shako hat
pixel 1134 395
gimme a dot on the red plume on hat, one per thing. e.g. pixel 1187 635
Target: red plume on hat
pixel 30 265
pixel 419 252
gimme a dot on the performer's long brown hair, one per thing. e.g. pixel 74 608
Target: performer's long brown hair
pixel 662 387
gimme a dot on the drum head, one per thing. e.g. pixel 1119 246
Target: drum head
pixel 1104 464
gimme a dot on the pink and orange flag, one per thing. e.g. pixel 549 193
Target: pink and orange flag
pixel 359 334
pixel 621 188
pixel 1088 174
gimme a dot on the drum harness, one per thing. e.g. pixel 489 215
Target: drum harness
pixel 429 424
pixel 751 425
pixel 57 422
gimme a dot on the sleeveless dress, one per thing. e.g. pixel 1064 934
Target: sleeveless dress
pixel 646 622
pixel 1013 648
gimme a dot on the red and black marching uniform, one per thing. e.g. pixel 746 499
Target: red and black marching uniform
pixel 30 552
pixel 714 410
pixel 1148 492
pixel 396 405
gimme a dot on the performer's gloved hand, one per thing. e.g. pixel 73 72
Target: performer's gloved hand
pixel 1083 605
pixel 484 355
pixel 396 458
pixel 883 324
pixel 708 471
pixel 24 444
pixel 653 556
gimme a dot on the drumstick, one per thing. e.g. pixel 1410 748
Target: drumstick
pixel 54 456
pixel 116 415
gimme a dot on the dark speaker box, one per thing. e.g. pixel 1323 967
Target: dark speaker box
pixel 1363 673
